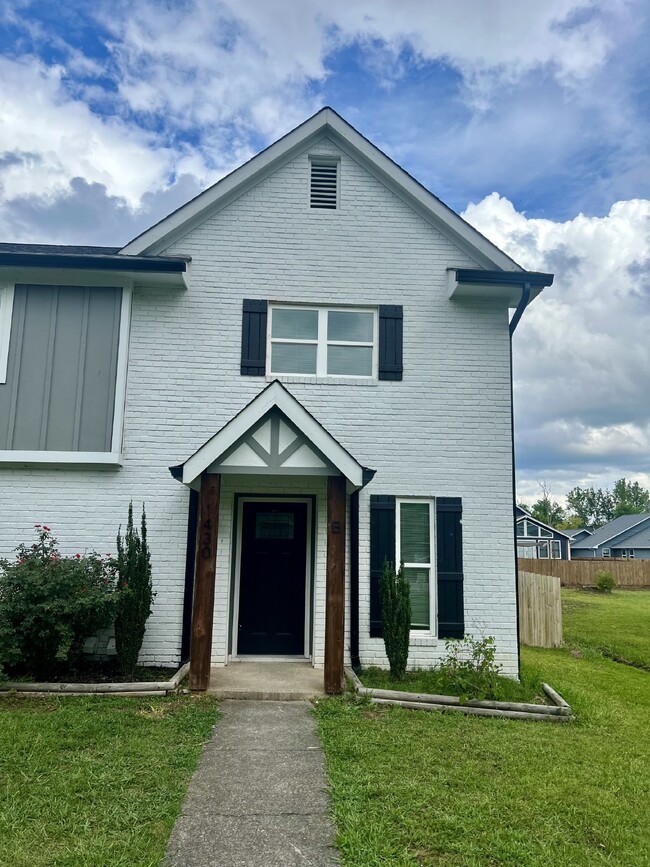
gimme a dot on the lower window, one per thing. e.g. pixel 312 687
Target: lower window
pixel 414 544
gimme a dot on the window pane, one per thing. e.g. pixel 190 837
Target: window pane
pixel 300 324
pixel 293 358
pixel 543 551
pixel 342 325
pixel 415 546
pixel 546 533
pixel 532 529
pixel 349 360
pixel 418 580
pixel 556 552
pixel 520 529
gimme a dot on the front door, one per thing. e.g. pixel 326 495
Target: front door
pixel 272 579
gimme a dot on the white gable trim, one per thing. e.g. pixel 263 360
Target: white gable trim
pixel 325 122
pixel 275 395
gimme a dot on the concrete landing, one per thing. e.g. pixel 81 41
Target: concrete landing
pixel 267 681
pixel 259 797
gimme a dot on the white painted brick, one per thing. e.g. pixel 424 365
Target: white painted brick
pixel 442 431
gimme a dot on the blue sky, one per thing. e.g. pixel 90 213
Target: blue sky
pixel 530 119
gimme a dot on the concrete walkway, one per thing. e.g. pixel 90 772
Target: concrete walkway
pixel 258 798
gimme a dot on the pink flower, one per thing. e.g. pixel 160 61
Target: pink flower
pixel 78 556
pixel 47 529
pixel 37 526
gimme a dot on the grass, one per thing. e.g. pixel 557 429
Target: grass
pixel 436 683
pixel 411 788
pixel 95 781
pixel 616 624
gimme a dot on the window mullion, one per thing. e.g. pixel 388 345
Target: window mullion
pixel 321 352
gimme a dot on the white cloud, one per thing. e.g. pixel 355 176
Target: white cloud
pixel 581 352
pixel 47 138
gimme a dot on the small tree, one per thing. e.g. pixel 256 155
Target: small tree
pixel 136 593
pixel 396 614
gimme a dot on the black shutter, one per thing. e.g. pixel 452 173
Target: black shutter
pixel 382 547
pixel 390 341
pixel 253 338
pixel 451 622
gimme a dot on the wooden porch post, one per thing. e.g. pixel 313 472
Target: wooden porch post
pixel 335 588
pixel 206 564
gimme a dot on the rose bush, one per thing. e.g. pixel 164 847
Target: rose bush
pixel 50 603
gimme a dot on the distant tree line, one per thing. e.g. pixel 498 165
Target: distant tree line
pixel 590 507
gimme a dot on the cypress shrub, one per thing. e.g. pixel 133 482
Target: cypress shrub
pixel 396 615
pixel 135 592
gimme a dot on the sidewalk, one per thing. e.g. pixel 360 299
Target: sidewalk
pixel 258 798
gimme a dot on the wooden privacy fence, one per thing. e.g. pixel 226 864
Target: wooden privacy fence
pixel 581 573
pixel 540 610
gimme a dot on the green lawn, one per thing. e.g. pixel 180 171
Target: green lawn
pixel 88 782
pixel 616 623
pixel 411 788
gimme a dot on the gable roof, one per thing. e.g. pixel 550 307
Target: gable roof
pixel 274 396
pixel 573 533
pixel 611 530
pixel 639 539
pixel 328 123
pixel 522 513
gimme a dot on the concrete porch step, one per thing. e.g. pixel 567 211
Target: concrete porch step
pixel 267 681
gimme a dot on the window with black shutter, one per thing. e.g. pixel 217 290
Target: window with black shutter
pixel 449 551
pixel 253 338
pixel 390 342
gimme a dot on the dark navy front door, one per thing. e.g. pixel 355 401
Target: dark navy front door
pixel 272 579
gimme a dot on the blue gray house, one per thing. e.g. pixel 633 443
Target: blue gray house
pixel 626 537
pixel 539 541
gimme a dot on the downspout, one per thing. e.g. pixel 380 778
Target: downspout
pixel 354 582
pixel 519 312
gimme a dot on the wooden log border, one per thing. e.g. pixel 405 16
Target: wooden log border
pixel 559 711
pixel 146 688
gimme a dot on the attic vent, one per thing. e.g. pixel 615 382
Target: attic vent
pixel 323 189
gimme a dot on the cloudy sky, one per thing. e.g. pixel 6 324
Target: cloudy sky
pixel 530 119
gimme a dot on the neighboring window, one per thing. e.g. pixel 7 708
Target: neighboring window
pixel 546 533
pixel 323 184
pixel 323 341
pixel 607 552
pixel 414 539
pixel 527 550
pixel 556 550
pixel 627 553
pixel 520 528
pixel 6 309
pixel 543 551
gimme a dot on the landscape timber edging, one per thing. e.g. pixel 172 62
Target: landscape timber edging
pixel 146 688
pixel 559 711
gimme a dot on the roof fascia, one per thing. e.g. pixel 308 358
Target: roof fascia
pixel 273 396
pixel 325 122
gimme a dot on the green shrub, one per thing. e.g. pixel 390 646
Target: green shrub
pixel 136 594
pixel 396 614
pixel 604 581
pixel 469 668
pixel 49 604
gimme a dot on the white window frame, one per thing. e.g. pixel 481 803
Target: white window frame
pixel 113 457
pixel 431 566
pixel 627 553
pixel 607 553
pixel 6 314
pixel 321 342
pixel 555 544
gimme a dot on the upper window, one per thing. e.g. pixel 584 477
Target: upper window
pixel 6 308
pixel 527 528
pixel 323 185
pixel 314 341
pixel 414 549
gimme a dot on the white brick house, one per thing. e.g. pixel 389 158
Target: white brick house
pixel 319 350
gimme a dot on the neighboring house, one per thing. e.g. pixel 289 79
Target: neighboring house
pixel 578 535
pixel 627 538
pixel 318 349
pixel 539 541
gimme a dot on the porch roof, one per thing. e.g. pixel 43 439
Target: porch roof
pixel 274 435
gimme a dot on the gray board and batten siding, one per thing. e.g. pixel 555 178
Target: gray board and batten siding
pixel 61 372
